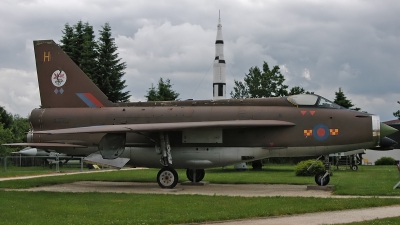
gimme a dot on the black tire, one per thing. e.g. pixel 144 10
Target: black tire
pixel 257 165
pixel 354 167
pixel 319 181
pixel 200 173
pixel 167 178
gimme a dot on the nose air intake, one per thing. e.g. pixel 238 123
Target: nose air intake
pixel 380 131
pixel 380 135
pixel 386 130
pixel 386 143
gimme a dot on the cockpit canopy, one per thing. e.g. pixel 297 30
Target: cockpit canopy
pixel 312 100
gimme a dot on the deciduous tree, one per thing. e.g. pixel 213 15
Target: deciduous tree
pixel 397 114
pixel 259 84
pixel 5 118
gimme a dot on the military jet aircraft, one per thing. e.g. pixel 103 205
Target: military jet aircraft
pixel 76 118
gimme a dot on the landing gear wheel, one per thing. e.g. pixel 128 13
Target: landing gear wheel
pixel 354 167
pixel 257 165
pixel 167 178
pixel 320 180
pixel 200 173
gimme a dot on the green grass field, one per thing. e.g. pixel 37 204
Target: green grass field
pixel 111 208
pixel 15 171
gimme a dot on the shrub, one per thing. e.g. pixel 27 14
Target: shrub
pixel 385 161
pixel 301 168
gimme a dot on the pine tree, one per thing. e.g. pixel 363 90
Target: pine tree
pixel 89 54
pixel 110 68
pixel 73 41
pixel 67 41
pixel 152 94
pixel 163 92
pixel 97 59
pixel 342 100
pixel 78 42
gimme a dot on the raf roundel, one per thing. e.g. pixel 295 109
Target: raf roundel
pixel 58 78
pixel 321 132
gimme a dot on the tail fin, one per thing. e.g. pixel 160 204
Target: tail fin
pixel 62 83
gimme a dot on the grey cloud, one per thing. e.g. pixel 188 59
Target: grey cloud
pixel 350 44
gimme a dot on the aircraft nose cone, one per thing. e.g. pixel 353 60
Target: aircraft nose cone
pixel 387 130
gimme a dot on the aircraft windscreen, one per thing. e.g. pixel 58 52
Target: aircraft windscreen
pixel 303 99
pixel 312 100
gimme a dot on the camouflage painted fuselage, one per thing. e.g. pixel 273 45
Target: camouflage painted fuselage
pixel 316 130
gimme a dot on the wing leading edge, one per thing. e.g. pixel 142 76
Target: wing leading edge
pixel 169 126
pixel 46 144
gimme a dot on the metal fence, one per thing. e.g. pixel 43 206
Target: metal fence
pixel 21 163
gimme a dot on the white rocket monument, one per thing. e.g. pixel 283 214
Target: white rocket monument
pixel 219 80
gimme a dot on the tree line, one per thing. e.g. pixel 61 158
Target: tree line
pixel 268 82
pixel 13 129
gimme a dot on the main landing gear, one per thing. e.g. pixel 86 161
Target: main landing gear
pixel 195 175
pixel 323 178
pixel 167 177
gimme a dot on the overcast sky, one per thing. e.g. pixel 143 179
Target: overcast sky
pixel 319 45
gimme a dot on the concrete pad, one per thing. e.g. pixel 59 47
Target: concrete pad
pixel 189 183
pixel 244 190
pixel 321 188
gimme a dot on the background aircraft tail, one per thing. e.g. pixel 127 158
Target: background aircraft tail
pixel 62 83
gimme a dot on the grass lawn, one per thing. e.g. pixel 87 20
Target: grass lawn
pixel 111 208
pixel 15 171
pixel 368 180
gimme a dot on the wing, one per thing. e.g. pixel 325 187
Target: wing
pixel 169 126
pixel 46 145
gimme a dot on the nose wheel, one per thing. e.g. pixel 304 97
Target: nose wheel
pixel 167 178
pixel 323 178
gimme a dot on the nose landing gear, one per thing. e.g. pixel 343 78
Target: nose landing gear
pixel 323 178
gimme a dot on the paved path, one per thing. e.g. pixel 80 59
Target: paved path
pixel 345 216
